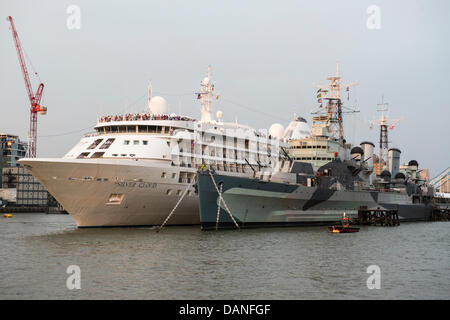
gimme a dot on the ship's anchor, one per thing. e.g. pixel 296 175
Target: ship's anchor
pixel 221 200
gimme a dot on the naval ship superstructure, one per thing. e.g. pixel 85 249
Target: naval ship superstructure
pixel 134 168
pixel 326 177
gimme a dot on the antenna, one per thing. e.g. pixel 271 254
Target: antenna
pixel 205 96
pixel 149 91
pixel 384 123
pixel 333 106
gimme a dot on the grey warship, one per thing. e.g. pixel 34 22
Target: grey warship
pixel 302 197
pixel 319 178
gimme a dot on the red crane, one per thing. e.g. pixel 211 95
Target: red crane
pixel 35 99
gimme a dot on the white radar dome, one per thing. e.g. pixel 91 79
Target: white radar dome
pixel 219 115
pixel 157 105
pixel 205 81
pixel 277 131
pixel 301 129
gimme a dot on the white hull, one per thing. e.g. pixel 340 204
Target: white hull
pixel 145 202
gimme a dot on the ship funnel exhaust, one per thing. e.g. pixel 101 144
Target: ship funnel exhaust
pixel 394 161
pixel 368 153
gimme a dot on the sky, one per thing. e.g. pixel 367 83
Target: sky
pixel 266 58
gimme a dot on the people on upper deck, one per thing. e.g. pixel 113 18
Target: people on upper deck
pixel 143 116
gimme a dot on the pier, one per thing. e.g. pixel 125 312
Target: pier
pixel 440 213
pixel 382 217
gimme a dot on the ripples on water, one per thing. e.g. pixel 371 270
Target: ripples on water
pixel 186 263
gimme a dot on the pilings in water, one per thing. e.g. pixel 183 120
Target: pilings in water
pixel 440 213
pixel 382 217
pixel 22 209
pixel 33 209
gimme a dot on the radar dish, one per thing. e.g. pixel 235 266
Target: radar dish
pixel 157 105
pixel 276 130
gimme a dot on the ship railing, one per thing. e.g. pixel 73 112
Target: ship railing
pixel 143 117
pixel 90 134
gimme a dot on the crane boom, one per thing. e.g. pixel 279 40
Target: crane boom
pixel 35 99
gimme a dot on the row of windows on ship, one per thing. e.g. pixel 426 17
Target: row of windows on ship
pixel 109 141
pixel 313 158
pixel 152 129
pixel 308 147
pixel 135 129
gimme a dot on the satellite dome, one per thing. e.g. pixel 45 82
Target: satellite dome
pixel 301 129
pixel 205 81
pixel 277 131
pixel 157 105
pixel 356 150
pixel 219 115
pixel 400 175
pixel 413 163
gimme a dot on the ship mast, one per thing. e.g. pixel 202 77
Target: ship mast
pixel 205 96
pixel 384 123
pixel 333 105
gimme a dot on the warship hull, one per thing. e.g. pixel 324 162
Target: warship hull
pixel 257 203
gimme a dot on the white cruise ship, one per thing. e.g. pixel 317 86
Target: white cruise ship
pixel 134 168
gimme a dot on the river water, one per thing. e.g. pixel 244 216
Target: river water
pixel 187 263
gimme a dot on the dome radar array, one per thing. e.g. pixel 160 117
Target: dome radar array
pixel 156 105
pixel 297 129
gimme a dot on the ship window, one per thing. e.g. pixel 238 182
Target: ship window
pixel 179 192
pixel 163 175
pixel 126 142
pixel 123 155
pixel 131 128
pixel 95 144
pixel 98 155
pixel 143 128
pixel 122 129
pixel 174 175
pixel 136 142
pixel 115 199
pixel 115 154
pixel 169 192
pixel 83 155
pixel 107 129
pixel 107 143
pixel 114 129
pixel 145 142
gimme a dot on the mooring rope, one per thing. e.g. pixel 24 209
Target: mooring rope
pixel 218 210
pixel 174 208
pixel 221 199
